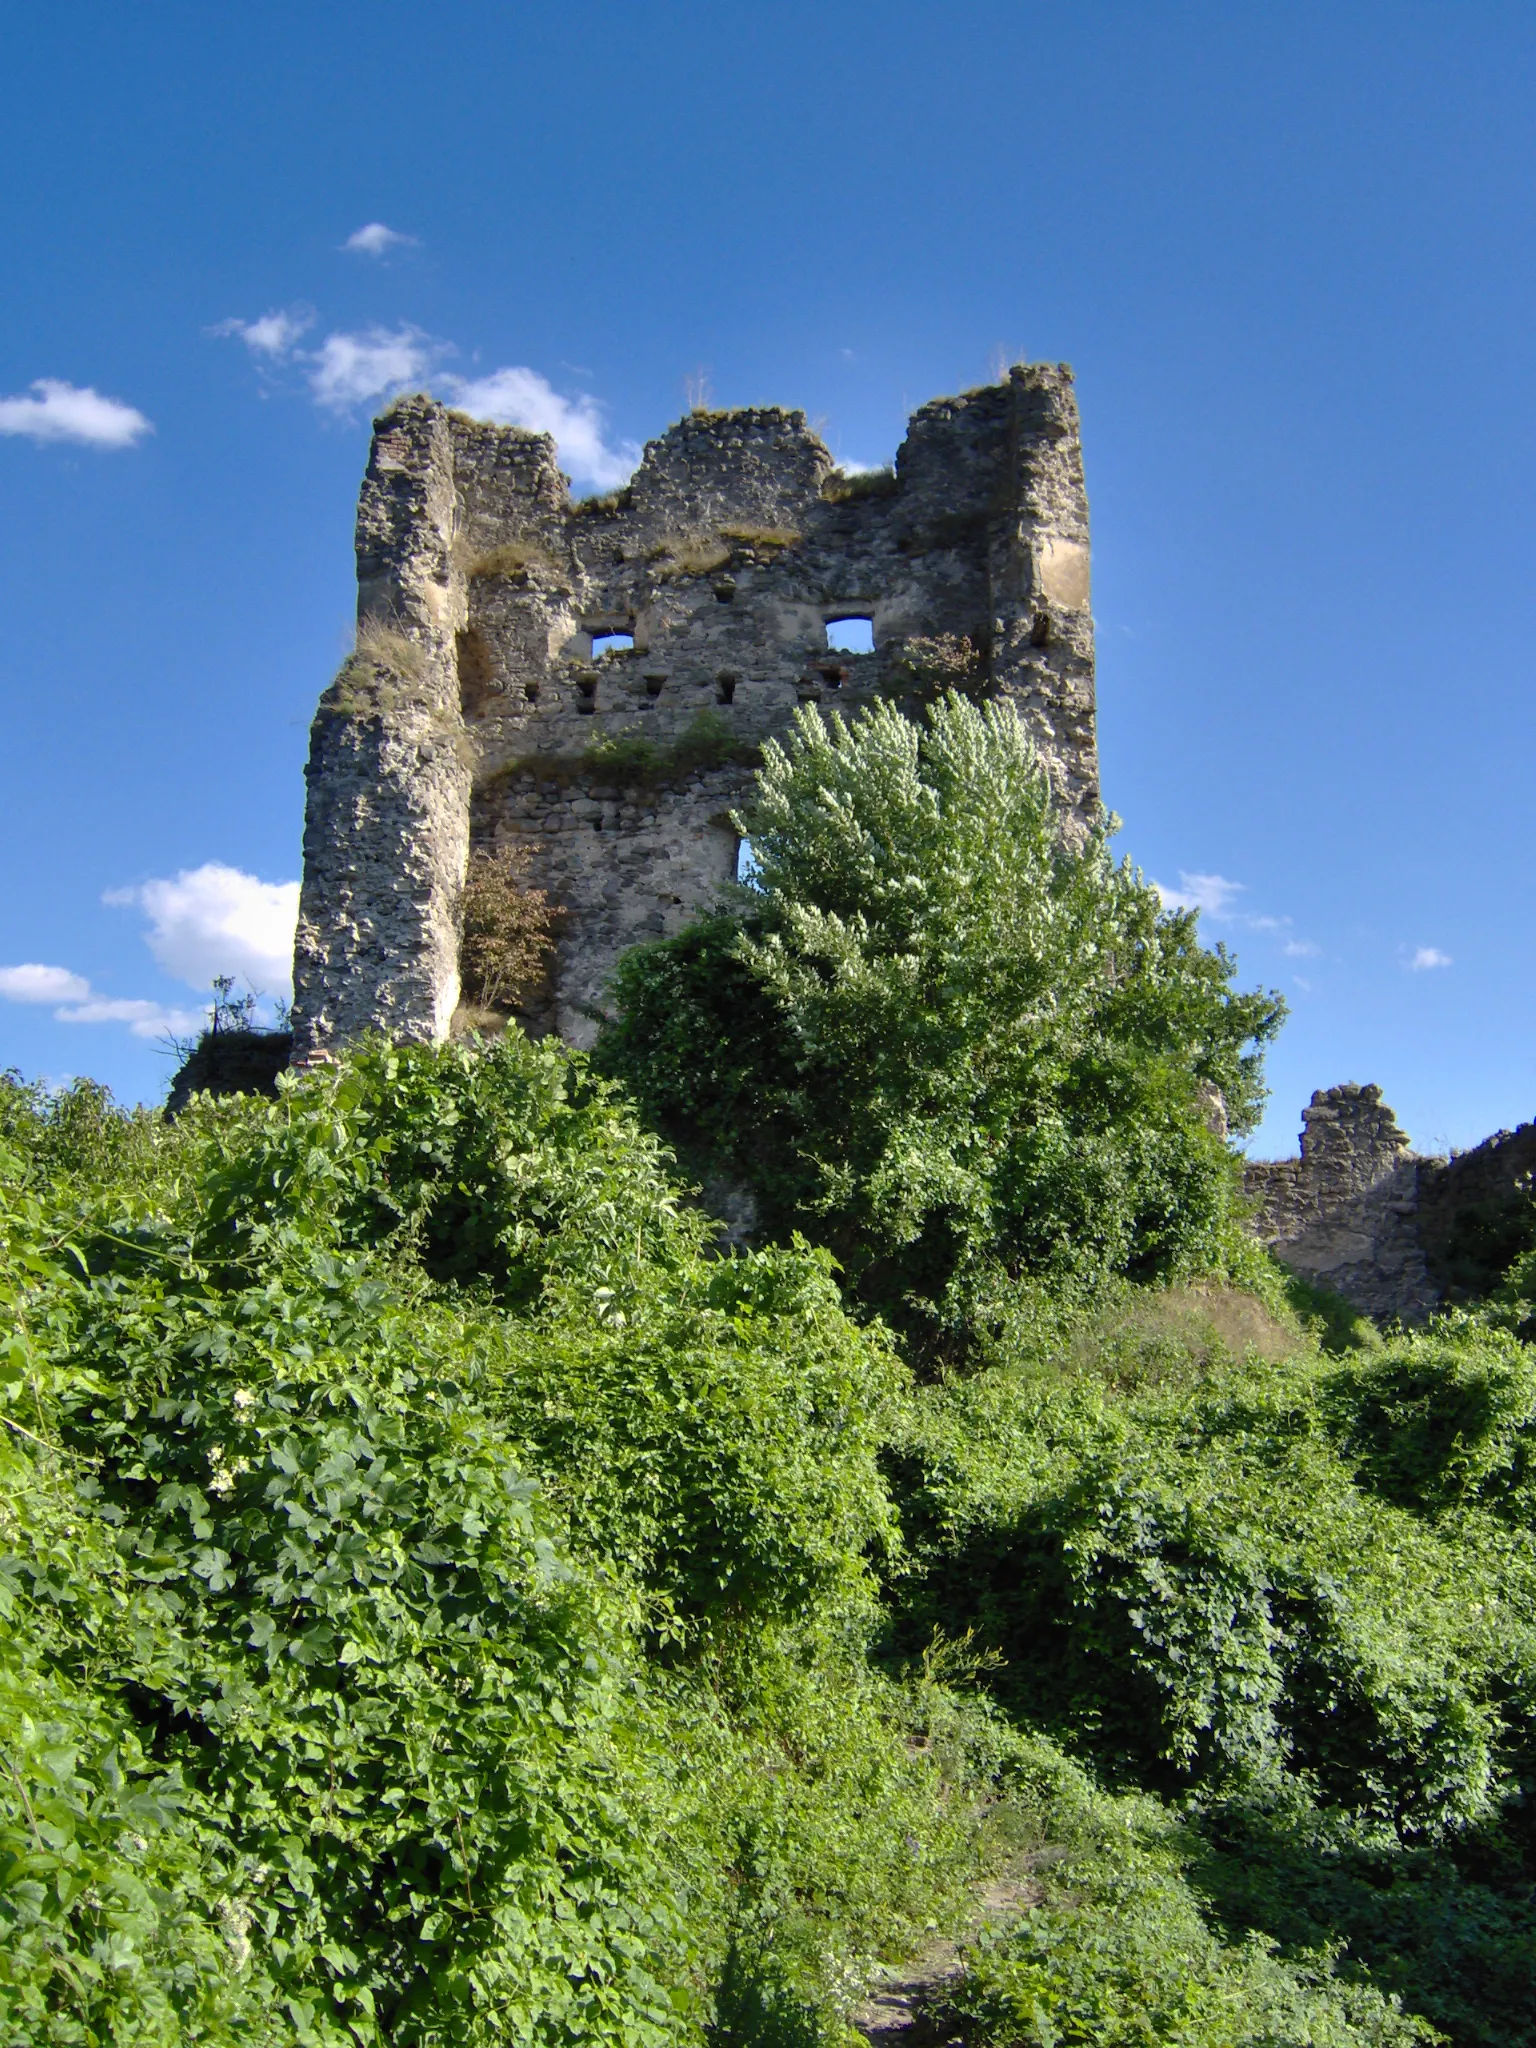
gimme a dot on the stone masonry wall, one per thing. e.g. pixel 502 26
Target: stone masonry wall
pixel 725 559
pixel 1342 1215
pixel 1393 1231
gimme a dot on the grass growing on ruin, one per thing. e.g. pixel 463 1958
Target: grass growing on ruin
pixel 689 555
pixel 772 537
pixel 707 741
pixel 846 487
pixel 514 561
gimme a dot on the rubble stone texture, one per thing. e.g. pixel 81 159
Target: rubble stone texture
pixel 1365 1216
pixel 723 563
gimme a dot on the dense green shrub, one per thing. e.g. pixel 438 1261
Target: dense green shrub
pixel 378 1557
pixel 1300 1596
pixel 1188 1581
pixel 941 1038
pixel 438 1588
pixel 1116 1952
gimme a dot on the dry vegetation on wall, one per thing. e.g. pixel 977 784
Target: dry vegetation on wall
pixel 931 666
pixel 683 554
pixel 516 561
pixel 506 932
pixel 844 487
pixel 384 672
pixel 384 646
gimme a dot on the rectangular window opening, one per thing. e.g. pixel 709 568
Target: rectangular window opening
pixel 852 635
pixel 611 643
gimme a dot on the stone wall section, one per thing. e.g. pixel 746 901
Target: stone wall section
pixel 722 564
pixel 1342 1215
pixel 1364 1215
pixel 386 820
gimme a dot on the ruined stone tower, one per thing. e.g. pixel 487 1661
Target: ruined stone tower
pixel 490 710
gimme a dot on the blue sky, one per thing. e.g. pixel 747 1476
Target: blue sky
pixel 1288 250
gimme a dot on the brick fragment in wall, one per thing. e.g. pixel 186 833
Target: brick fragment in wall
pixel 725 558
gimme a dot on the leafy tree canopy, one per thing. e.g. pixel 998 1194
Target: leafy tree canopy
pixel 950 1040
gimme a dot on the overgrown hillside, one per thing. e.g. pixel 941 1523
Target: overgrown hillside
pixel 449 1599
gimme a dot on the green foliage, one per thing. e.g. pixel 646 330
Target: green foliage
pixel 1115 1951
pixel 438 1591
pixel 464 1600
pixel 1301 1595
pixel 1446 1419
pixel 75 1132
pixel 707 741
pixel 504 930
pixel 943 1039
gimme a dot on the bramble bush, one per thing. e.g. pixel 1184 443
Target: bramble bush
pixel 409 1658
pixel 939 1037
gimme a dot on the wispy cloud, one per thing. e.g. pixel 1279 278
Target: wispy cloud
pixel 1213 894
pixel 34 983
pixel 354 369
pixel 520 397
pixel 1216 897
pixel 143 1018
pixel 74 1001
pixel 203 922
pixel 55 411
pixel 274 334
pixel 350 369
pixel 1428 956
pixel 218 920
pixel 376 240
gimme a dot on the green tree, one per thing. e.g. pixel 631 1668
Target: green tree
pixel 961 1046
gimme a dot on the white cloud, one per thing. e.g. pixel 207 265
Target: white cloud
pixel 218 920
pixel 1213 894
pixel 1428 956
pixel 144 1019
pixel 274 334
pixel 203 922
pixel 67 412
pixel 517 397
pixel 1216 897
pixel 76 1002
pixel 351 369
pixel 376 239
pixel 34 983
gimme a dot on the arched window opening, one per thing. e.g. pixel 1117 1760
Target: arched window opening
pixel 612 643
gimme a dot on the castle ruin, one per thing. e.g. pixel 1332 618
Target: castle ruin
pixel 591 680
